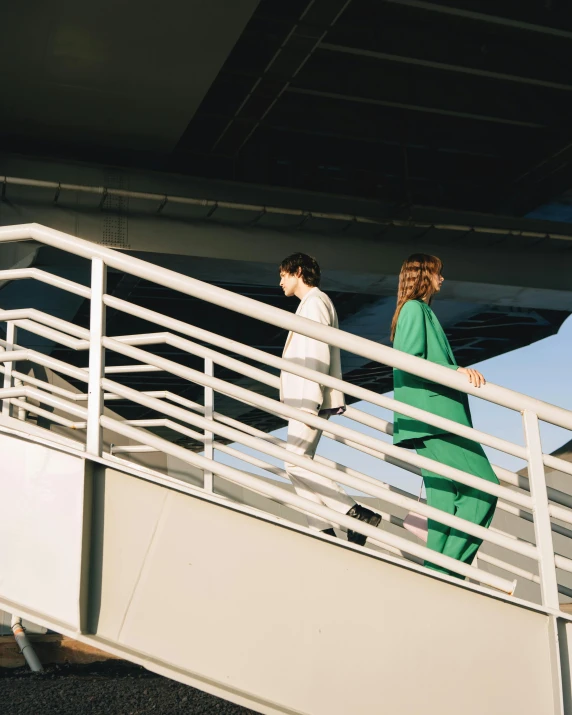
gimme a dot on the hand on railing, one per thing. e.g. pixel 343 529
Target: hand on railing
pixel 475 377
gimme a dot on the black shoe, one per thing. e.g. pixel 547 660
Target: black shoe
pixel 370 517
pixel 328 532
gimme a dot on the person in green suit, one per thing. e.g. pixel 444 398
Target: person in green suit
pixel 416 330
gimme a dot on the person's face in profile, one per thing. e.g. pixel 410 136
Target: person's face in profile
pixel 289 282
pixel 436 282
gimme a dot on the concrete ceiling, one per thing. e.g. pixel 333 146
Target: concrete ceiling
pixel 113 73
pixel 460 104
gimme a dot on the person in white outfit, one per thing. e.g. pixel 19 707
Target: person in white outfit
pixel 300 277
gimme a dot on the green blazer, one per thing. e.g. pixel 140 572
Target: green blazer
pixel 419 333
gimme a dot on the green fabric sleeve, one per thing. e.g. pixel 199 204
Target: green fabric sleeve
pixel 411 333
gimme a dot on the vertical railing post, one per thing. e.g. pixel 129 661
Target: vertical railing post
pixel 22 414
pixel 209 437
pixel 542 526
pixel 96 357
pixel 11 331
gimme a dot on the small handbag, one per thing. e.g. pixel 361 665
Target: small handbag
pixel 415 523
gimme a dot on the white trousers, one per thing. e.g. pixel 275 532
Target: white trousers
pixel 303 440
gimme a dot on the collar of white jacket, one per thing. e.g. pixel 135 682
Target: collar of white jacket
pixel 309 293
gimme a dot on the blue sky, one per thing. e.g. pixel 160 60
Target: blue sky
pixel 541 370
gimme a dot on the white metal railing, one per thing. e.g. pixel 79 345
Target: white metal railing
pixel 24 394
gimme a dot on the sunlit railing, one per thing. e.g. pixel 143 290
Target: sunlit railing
pixel 83 412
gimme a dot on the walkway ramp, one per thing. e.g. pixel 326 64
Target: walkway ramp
pixel 213 582
pixel 250 608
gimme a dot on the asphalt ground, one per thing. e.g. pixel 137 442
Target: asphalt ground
pixel 108 688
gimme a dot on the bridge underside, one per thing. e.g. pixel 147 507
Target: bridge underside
pixel 366 109
pixel 503 290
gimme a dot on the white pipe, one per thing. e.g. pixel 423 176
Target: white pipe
pixel 15 274
pixel 163 199
pixel 39 316
pixel 24 645
pixel 24 407
pixel 45 360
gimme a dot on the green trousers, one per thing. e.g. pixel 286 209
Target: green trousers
pixel 454 498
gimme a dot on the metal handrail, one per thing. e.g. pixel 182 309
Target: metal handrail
pixel 283 319
pixel 304 505
pixel 533 507
pixel 269 379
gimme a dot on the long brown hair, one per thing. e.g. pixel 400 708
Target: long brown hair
pixel 415 281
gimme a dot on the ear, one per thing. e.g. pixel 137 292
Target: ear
pixel 298 273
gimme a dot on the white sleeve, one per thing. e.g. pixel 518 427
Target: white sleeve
pixel 316 356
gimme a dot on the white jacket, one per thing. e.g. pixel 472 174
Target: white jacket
pixel 304 394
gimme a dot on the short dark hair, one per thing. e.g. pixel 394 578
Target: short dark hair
pixel 308 265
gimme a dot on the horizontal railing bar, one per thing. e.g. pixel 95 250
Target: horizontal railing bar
pixel 558 512
pixel 45 277
pixel 162 422
pixel 288 412
pixel 527 516
pixel 7 393
pixel 365 418
pixel 563 563
pixel 46 361
pixel 557 463
pixel 249 459
pixel 58 419
pixel 564 590
pixel 55 335
pixel 32 393
pixel 132 449
pixel 327 380
pixel 43 397
pixel 51 321
pixel 291 499
pixel 482 557
pixel 45 385
pixel 373 453
pixel 343 476
pixel 121 369
pixel 511 568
